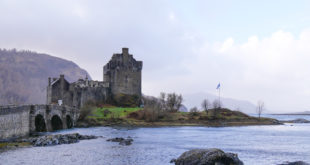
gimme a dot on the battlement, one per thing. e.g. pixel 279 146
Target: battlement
pixel 123 61
pixel 90 84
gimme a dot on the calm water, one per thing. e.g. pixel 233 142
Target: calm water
pixel 155 146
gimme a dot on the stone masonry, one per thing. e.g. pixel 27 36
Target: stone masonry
pixel 19 121
pixel 121 83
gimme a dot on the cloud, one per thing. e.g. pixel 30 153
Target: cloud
pixel 273 69
pixel 185 48
pixel 226 45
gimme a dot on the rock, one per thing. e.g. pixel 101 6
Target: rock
pixel 126 142
pixel 173 160
pixel 122 141
pixel 117 139
pixel 207 157
pixel 51 140
pixel 295 163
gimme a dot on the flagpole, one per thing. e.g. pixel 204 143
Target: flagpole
pixel 219 97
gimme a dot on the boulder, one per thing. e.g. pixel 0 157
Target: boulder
pixel 207 157
pixel 122 141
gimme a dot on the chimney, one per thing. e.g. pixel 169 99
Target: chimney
pixel 125 51
pixel 49 81
pixel 62 76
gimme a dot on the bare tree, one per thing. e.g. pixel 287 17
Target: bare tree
pixel 194 111
pixel 205 105
pixel 260 108
pixel 174 102
pixel 162 100
pixel 216 106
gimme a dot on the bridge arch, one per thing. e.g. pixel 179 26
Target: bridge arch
pixel 69 121
pixel 40 125
pixel 56 123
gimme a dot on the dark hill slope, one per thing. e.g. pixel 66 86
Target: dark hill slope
pixel 24 75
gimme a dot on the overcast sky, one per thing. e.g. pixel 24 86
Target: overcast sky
pixel 257 50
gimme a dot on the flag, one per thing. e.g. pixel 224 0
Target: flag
pixel 218 86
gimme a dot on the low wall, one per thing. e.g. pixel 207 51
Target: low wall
pixel 14 121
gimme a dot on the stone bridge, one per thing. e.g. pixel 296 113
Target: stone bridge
pixel 17 121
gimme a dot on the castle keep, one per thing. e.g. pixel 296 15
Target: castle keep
pixel 121 85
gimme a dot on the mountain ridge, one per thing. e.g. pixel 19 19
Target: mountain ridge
pixel 24 75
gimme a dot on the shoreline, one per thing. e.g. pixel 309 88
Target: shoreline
pixel 137 123
pixel 291 114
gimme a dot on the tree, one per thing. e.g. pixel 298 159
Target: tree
pixel 162 101
pixel 216 106
pixel 174 102
pixel 205 105
pixel 194 111
pixel 260 108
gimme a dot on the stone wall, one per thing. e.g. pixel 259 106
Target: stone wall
pixel 123 73
pixel 19 121
pixel 14 121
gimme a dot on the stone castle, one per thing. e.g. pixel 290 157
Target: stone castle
pixel 121 85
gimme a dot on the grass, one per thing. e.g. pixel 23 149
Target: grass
pixel 110 115
pixel 112 112
pixel 7 145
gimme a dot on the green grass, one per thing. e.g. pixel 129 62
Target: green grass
pixel 12 144
pixel 116 112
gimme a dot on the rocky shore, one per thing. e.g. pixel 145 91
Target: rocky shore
pixel 50 140
pixel 295 163
pixel 299 120
pixel 47 140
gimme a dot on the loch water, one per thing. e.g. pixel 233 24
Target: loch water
pixel 261 145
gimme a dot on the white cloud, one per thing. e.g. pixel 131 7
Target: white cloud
pixel 274 69
pixel 226 45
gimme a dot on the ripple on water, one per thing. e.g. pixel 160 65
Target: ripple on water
pixel 254 145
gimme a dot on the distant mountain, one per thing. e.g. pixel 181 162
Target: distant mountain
pixel 297 113
pixel 24 75
pixel 191 100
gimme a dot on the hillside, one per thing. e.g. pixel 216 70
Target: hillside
pixel 24 75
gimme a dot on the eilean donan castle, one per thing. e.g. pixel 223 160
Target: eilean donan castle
pixel 121 85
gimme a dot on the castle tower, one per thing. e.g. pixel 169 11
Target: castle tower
pixel 123 73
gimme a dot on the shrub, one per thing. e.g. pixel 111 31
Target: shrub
pixel 85 111
pixel 125 100
pixel 106 112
